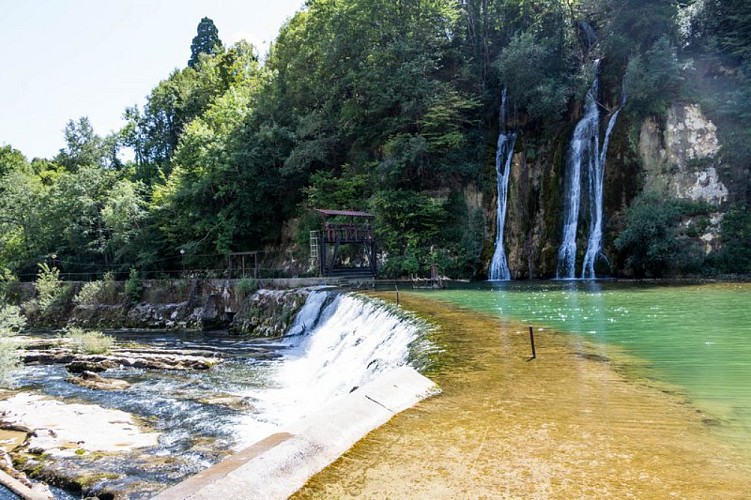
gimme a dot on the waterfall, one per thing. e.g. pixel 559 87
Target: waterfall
pixel 353 340
pixel 585 150
pixel 584 147
pixel 504 153
pixel 596 176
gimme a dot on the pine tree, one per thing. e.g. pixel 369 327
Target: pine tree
pixel 205 42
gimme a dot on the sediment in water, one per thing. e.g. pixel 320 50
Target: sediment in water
pixel 563 425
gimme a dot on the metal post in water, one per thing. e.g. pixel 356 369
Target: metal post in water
pixel 532 341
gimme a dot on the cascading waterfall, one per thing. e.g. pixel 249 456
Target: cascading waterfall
pixel 585 148
pixel 596 177
pixel 352 342
pixel 504 153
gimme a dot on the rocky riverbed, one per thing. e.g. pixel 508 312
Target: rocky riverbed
pixel 158 407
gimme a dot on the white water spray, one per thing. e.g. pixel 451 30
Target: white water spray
pixel 585 149
pixel 504 153
pixel 348 342
pixel 596 177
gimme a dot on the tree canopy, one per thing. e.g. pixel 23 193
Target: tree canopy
pixel 387 106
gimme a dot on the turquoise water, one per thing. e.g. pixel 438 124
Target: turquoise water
pixel 695 337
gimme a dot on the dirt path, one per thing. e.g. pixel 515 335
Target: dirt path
pixel 565 425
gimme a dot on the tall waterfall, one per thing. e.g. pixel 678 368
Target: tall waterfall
pixel 596 176
pixel 585 150
pixel 504 153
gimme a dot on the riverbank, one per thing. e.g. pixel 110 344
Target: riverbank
pixel 569 424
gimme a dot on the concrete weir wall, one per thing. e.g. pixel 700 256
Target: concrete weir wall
pixel 282 463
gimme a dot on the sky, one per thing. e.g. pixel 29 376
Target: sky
pixel 64 59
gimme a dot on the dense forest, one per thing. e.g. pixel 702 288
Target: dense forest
pixel 392 106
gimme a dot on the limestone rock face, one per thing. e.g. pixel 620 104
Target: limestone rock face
pixel 680 159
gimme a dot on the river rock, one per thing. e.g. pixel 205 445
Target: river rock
pixel 78 363
pixel 93 381
pixel 61 428
pixel 268 313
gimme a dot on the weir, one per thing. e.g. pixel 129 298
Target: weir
pixel 499 270
pixel 280 464
pixel 345 374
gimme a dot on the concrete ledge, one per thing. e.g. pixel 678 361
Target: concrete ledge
pixel 282 463
pixel 20 489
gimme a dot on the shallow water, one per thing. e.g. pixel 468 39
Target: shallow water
pixel 337 342
pixel 696 337
pixel 195 430
pixel 572 423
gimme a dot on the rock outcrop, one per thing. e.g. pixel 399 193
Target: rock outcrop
pixel 680 160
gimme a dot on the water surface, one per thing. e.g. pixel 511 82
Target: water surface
pixel 569 424
pixel 696 337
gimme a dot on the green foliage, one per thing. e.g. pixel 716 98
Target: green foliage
pixel 84 147
pixel 633 26
pixel 347 192
pixel 653 241
pixel 653 81
pixel 535 79
pixel 12 160
pixel 89 342
pixel 11 322
pixel 133 289
pixel 99 292
pixel 408 227
pixel 735 255
pixel 49 286
pixel 206 41
pixel 245 287
pixel 7 283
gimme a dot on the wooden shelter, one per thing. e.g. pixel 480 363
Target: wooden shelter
pixel 346 245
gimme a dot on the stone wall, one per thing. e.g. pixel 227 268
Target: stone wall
pixel 179 305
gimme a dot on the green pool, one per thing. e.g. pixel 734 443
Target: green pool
pixel 694 337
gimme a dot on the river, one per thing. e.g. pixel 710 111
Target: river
pixel 637 391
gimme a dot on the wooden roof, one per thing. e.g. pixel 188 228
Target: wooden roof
pixel 347 213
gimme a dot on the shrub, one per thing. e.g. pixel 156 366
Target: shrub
pixel 11 322
pixel 654 80
pixel 98 292
pixel 245 287
pixel 735 255
pixel 133 286
pixel 653 241
pixel 89 342
pixel 49 286
pixel 7 281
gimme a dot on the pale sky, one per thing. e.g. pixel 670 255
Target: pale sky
pixel 63 59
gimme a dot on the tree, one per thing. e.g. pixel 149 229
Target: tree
pixel 83 147
pixel 537 83
pixel 653 240
pixel 205 42
pixel 653 81
pixel 23 231
pixel 12 160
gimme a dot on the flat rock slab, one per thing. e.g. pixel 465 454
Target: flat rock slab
pixel 62 427
pixel 282 463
